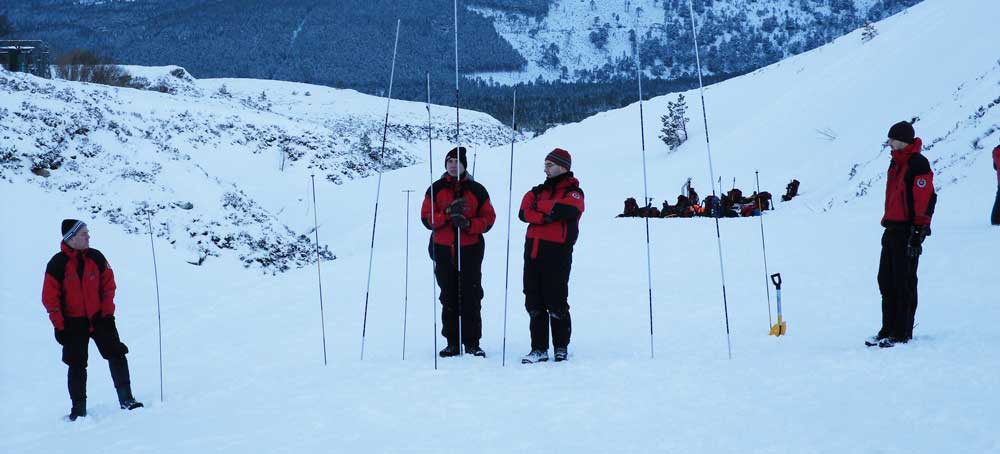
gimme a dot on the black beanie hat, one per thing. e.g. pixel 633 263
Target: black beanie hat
pixel 902 131
pixel 70 227
pixel 460 152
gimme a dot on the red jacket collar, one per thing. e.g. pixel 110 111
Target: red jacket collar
pixel 565 180
pixel 72 253
pixel 904 154
pixel 461 178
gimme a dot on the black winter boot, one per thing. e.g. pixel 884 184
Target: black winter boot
pixel 76 381
pixel 874 340
pixel 126 400
pixel 535 356
pixel 449 351
pixel 475 350
pixel 79 410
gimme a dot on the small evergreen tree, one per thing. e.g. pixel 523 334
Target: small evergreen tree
pixel 550 56
pixel 364 147
pixel 599 36
pixel 869 33
pixel 674 132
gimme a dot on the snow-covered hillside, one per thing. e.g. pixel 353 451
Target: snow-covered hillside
pixel 588 39
pixel 222 162
pixel 242 353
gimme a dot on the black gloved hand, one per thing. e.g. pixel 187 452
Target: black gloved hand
pixel 460 221
pixel 914 246
pixel 456 206
pixel 547 219
pixel 60 336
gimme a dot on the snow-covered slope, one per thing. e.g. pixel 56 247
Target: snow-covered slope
pixel 221 162
pixel 594 40
pixel 242 353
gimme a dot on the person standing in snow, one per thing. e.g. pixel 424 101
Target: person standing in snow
pixel 79 295
pixel 460 205
pixel 909 206
pixel 552 211
pixel 995 218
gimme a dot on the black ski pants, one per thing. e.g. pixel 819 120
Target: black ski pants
pixel 468 306
pixel 995 217
pixel 76 343
pixel 546 294
pixel 897 280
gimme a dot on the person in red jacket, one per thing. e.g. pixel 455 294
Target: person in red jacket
pixel 460 215
pixel 909 205
pixel 552 211
pixel 79 295
pixel 995 217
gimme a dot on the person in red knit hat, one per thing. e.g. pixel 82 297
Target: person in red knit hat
pixel 552 211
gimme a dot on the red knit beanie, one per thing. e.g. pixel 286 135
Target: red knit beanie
pixel 560 157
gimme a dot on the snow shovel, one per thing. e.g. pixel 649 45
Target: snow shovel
pixel 778 329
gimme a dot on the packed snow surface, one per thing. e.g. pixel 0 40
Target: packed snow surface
pixel 243 355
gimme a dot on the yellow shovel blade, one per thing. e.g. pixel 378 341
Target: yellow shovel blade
pixel 778 329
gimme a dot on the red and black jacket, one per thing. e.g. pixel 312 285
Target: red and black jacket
pixel 996 162
pixel 552 211
pixel 909 189
pixel 478 210
pixel 78 284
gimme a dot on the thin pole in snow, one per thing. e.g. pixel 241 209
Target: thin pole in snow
pixel 458 193
pixel 711 170
pixel 510 192
pixel 378 191
pixel 645 197
pixel 406 267
pixel 458 141
pixel 156 281
pixel 430 192
pixel 319 273
pixel 767 288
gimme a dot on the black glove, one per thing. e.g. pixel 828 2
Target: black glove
pixel 547 219
pixel 461 221
pixel 456 206
pixel 914 246
pixel 61 336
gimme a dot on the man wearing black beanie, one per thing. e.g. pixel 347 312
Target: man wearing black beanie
pixel 79 295
pixel 457 210
pixel 909 206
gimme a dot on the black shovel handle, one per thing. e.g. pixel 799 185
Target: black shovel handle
pixel 776 279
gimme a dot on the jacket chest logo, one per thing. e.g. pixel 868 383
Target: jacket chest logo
pixel 921 183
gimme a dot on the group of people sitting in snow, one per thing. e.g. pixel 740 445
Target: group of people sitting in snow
pixel 731 205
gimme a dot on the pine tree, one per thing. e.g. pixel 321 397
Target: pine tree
pixel 680 117
pixel 674 132
pixel 365 148
pixel 869 33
